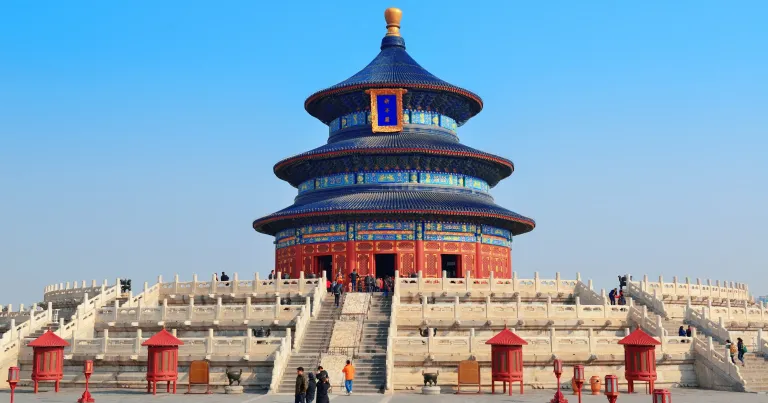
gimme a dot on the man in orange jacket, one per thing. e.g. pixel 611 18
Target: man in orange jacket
pixel 349 376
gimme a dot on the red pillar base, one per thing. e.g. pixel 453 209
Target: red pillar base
pixel 559 398
pixel 86 398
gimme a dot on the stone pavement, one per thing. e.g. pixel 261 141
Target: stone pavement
pixel 537 396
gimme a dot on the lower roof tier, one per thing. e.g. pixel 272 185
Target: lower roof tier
pixel 376 202
pixel 417 150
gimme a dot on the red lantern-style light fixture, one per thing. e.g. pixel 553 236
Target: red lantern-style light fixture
pixel 611 388
pixel 578 378
pixel 662 396
pixel 87 371
pixel 13 379
pixel 558 369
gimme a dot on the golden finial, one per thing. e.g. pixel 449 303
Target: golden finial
pixel 393 16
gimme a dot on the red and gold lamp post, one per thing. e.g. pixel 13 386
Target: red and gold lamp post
pixel 87 371
pixel 559 397
pixel 611 388
pixel 13 379
pixel 662 396
pixel 578 379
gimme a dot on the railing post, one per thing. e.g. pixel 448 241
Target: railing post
pixel 466 281
pixel 423 307
pixel 105 341
pixel 552 340
pixel 491 282
pixel 234 282
pixel 164 313
pixel 549 306
pixel 247 313
pixel 487 307
pixel 557 281
pixel 471 339
pixel 728 305
pixel 301 282
pixel 190 312
pixel 591 341
pixel 256 281
pixel 514 281
pixel 536 281
pixel 217 313
pixel 277 307
pixel 194 284
pixel 444 280
pixel 456 308
pixel 278 279
pixel 518 302
pixel 209 342
pixel 578 306
pixel 214 284
pixel 137 343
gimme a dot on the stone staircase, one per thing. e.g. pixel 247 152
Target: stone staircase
pixel 371 363
pixel 754 373
pixel 316 340
pixel 54 326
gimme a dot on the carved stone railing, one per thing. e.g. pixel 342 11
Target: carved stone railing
pixel 536 285
pixel 682 290
pixel 639 315
pixel 187 314
pixel 458 311
pixel 649 299
pixel 236 286
pixel 593 344
pixel 72 293
pixel 391 334
pixel 709 327
pixel 302 322
pixel 318 295
pixel 588 296
pixel 82 323
pixel 705 353
pixel 282 355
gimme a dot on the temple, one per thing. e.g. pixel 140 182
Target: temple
pixel 394 188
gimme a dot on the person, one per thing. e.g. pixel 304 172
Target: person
pixel 622 300
pixel 271 275
pixel 300 394
pixel 386 284
pixel 689 331
pixel 354 277
pixel 349 376
pixel 259 333
pixel 379 284
pixel 612 296
pixel 337 293
pixel 323 385
pixel 328 285
pixel 731 350
pixel 321 374
pixel 681 333
pixel 216 276
pixel 224 277
pixel 742 350
pixel 311 387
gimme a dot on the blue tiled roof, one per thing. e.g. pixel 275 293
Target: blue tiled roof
pixel 393 66
pixel 405 140
pixel 399 198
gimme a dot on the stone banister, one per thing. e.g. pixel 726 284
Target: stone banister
pixel 503 311
pixel 649 299
pixel 709 327
pixel 717 361
pixel 282 355
pixel 236 286
pixel 698 289
pixel 421 284
pixel 587 295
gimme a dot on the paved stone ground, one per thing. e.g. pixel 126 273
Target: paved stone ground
pixel 538 396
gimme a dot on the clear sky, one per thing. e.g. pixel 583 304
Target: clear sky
pixel 138 138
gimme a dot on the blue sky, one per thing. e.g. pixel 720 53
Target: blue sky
pixel 138 138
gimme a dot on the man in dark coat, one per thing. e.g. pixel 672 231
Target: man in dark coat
pixel 354 276
pixel 323 385
pixel 301 386
pixel 311 387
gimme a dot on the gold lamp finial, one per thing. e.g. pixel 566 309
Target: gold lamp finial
pixel 393 15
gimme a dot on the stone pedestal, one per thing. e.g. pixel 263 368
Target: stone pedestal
pixel 233 390
pixel 430 390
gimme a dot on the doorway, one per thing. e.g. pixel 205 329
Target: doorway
pixel 325 263
pixel 451 265
pixel 385 265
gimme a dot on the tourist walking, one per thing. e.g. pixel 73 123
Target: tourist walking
pixel 354 276
pixel 731 350
pixel 742 350
pixel 349 376
pixel 311 387
pixel 300 394
pixel 337 289
pixel 323 386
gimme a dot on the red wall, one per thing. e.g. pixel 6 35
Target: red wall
pixel 360 255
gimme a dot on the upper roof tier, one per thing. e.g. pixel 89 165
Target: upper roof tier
pixel 394 67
